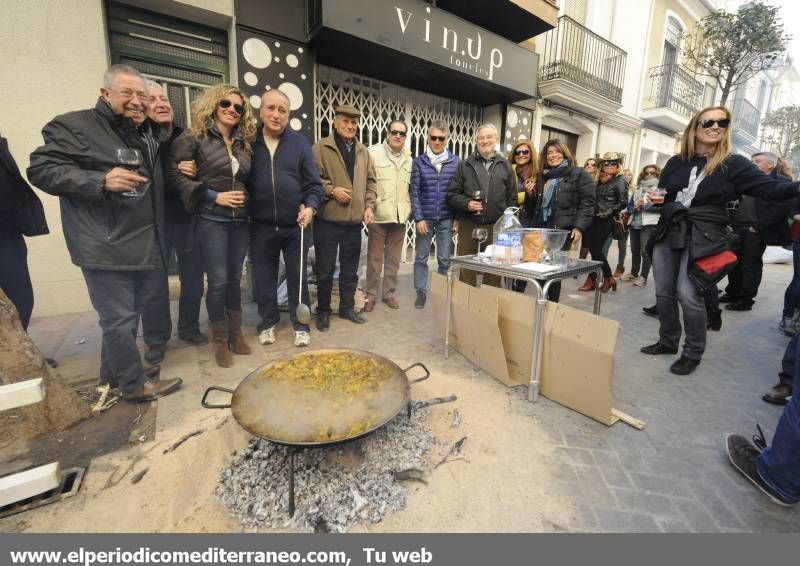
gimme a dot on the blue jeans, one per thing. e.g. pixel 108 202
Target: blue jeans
pixel 779 465
pixel 442 230
pixel 224 247
pixel 673 287
pixel 791 299
pixel 622 246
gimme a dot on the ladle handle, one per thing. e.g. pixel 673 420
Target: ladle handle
pixel 300 292
pixel 208 405
pixel 423 378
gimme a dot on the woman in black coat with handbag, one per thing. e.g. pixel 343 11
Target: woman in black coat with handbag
pixel 702 179
pixel 563 197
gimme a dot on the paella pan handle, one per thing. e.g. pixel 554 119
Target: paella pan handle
pixel 418 364
pixel 208 405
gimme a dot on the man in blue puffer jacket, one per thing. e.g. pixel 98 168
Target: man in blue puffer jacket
pixel 430 177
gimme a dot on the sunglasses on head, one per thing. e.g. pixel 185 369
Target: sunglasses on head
pixel 722 123
pixel 522 152
pixel 401 133
pixel 225 103
pixel 438 138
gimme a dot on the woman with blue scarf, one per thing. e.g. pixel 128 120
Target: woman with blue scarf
pixel 563 197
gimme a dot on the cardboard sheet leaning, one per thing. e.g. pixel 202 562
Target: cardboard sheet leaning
pixel 493 328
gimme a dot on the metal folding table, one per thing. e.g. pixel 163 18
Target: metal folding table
pixel 573 268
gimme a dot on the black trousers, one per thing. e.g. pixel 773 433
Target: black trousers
pixel 190 270
pixel 266 244
pixel 331 238
pixel 15 281
pixel 596 237
pixel 154 310
pixel 118 298
pixel 744 280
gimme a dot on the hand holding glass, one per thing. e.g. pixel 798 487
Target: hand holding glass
pixel 130 159
pixel 478 196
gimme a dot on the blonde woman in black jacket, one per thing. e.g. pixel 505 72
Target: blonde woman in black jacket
pixel 220 142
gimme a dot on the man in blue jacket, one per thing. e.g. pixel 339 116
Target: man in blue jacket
pixel 430 177
pixel 285 191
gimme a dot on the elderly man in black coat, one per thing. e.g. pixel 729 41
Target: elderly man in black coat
pixel 112 217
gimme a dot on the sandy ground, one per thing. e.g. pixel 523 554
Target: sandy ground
pixel 507 482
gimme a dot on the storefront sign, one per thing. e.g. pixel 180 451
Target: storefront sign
pixel 431 34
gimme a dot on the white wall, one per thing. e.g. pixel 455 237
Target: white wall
pixel 54 55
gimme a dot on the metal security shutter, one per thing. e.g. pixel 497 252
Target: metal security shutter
pixel 182 56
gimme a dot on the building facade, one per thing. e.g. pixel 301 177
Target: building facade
pixel 408 59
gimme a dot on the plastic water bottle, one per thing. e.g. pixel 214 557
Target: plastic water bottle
pixel 507 243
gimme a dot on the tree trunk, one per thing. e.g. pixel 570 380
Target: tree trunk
pixel 21 360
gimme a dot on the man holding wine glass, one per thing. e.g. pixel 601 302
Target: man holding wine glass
pixel 117 241
pixel 482 188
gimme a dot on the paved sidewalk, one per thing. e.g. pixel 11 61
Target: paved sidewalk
pixel 672 477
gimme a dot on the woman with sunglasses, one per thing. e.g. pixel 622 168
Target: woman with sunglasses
pixel 591 167
pixel 699 182
pixel 220 142
pixel 644 217
pixel 562 197
pixel 523 163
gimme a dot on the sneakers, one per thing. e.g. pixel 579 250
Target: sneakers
pixel 628 277
pixel 640 281
pixel 684 366
pixel 744 457
pixel 421 298
pixel 302 338
pixel 267 336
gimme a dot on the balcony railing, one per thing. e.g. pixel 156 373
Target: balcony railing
pixel 674 88
pixel 745 117
pixel 580 56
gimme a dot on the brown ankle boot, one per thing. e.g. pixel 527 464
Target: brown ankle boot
pixel 588 285
pixel 609 283
pixel 619 271
pixel 235 339
pixel 219 342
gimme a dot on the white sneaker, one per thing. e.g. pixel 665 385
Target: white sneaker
pixel 302 338
pixel 267 336
pixel 640 281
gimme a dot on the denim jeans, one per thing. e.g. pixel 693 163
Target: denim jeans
pixel 640 262
pixel 267 243
pixel 622 247
pixel 224 247
pixel 442 230
pixel 596 236
pixel 779 465
pixel 118 297
pixel 791 299
pixel 672 287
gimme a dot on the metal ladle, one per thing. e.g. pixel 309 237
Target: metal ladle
pixel 303 312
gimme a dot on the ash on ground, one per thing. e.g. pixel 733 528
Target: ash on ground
pixel 335 487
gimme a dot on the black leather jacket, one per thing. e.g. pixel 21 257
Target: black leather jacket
pixel 612 197
pixel 213 171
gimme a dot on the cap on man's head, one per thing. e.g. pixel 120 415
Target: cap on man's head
pixel 347 110
pixel 611 158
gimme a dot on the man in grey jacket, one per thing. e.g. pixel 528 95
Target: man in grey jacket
pixel 113 234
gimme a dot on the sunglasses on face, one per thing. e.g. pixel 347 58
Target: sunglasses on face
pixel 590 164
pixel 438 138
pixel 722 123
pixel 522 152
pixel 401 133
pixel 225 103
pixel 649 173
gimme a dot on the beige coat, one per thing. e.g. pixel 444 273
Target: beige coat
pixel 394 202
pixel 334 174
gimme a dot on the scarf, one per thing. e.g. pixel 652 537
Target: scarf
pixel 396 158
pixel 552 180
pixel 437 160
